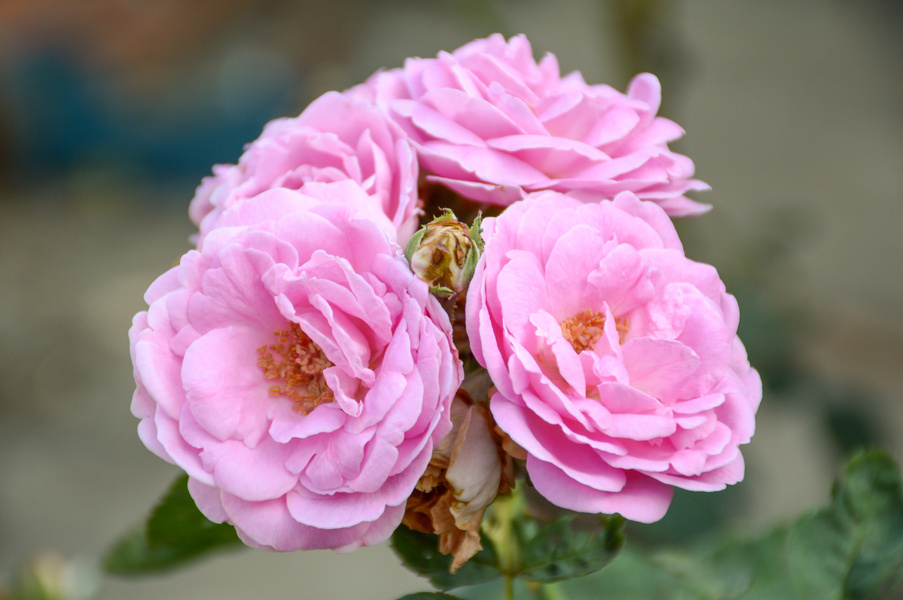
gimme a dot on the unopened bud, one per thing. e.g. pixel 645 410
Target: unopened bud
pixel 444 253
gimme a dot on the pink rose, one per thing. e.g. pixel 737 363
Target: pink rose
pixel 300 374
pixel 275 203
pixel 616 358
pixel 336 138
pixel 492 124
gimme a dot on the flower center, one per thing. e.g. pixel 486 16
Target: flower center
pixel 297 363
pixel 584 329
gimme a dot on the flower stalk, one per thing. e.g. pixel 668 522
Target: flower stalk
pixel 500 527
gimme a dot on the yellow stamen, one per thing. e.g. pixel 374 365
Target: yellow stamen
pixel 584 329
pixel 298 365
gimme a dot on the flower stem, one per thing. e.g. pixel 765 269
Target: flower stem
pixel 500 528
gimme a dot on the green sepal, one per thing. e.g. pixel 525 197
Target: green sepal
pixel 476 233
pixel 470 265
pixel 441 291
pixel 447 215
pixel 476 249
pixel 412 245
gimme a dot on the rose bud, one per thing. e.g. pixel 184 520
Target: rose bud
pixel 444 253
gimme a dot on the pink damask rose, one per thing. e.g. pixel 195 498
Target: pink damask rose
pixel 300 374
pixel 337 138
pixel 275 203
pixel 615 358
pixel 492 124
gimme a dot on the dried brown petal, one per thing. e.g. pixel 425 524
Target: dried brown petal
pixel 472 468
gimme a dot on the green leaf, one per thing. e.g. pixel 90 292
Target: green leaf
pixel 429 596
pixel 850 550
pixel 854 548
pixel 562 550
pixel 630 576
pixel 420 553
pixel 751 569
pixel 175 532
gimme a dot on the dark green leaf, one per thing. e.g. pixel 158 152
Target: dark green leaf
pixel 522 590
pixel 751 569
pixel 420 553
pixel 748 570
pixel 175 532
pixel 850 550
pixel 630 576
pixel 854 548
pixel 562 550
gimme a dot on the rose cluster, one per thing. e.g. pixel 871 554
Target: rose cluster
pixel 305 368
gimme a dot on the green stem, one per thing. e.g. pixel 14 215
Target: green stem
pixel 499 527
pixel 552 591
pixel 509 586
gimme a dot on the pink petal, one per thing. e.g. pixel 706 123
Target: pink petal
pixel 336 511
pixel 658 367
pixel 269 526
pixel 226 389
pixel 641 499
pixel 251 474
pixel 209 500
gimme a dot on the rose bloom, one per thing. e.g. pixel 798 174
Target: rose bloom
pixel 492 124
pixel 615 358
pixel 336 138
pixel 300 374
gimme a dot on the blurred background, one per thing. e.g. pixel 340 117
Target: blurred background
pixel 111 111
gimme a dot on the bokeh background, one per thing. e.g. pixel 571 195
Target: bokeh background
pixel 111 111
